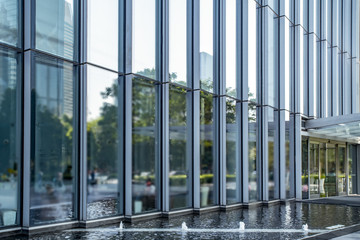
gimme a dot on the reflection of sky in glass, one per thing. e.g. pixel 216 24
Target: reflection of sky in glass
pixel 99 81
pixel 206 44
pixel 252 49
pixel 143 35
pixel 103 33
pixel 231 46
pixel 206 26
pixel 177 39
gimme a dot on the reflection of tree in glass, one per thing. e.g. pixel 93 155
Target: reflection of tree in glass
pixel 143 120
pixel 8 133
pixel 102 135
pixel 177 123
pixel 53 143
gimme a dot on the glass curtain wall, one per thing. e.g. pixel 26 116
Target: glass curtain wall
pixel 56 25
pixel 102 143
pixel 273 164
pixel 145 149
pixel 206 35
pixel 177 41
pixel 10 23
pixel 231 152
pixel 180 166
pixel 144 30
pixel 103 33
pixel 207 150
pixel 10 136
pixel 252 140
pixel 53 141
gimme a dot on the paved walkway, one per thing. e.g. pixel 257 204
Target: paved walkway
pixel 352 236
pixel 353 201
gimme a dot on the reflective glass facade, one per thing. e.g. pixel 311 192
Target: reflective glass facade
pixel 123 109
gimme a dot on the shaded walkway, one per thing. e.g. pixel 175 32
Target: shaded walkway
pixel 353 201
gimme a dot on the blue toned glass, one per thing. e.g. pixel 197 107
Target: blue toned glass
pixel 10 137
pixel 145 148
pixel 56 30
pixel 53 141
pixel 179 174
pixel 10 22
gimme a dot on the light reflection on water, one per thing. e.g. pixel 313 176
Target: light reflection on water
pixel 291 216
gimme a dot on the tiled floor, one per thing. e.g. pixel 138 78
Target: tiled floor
pixel 352 236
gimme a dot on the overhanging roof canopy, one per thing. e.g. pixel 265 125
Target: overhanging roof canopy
pixel 345 127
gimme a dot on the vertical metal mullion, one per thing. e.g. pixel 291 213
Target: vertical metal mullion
pixel 264 181
pixel 244 152
pixel 238 142
pixel 281 155
pixel 193 82
pixel 126 89
pixel 25 220
pixel 222 149
pixel 298 153
pixel 220 79
pixel 194 152
pixel 83 144
pixel 82 109
pixel 292 154
pixel 29 33
pixel 164 194
pixel 128 145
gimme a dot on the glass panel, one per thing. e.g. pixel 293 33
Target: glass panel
pixel 102 143
pixel 305 170
pixel 352 169
pixel 53 144
pixel 177 41
pixel 9 23
pixel 274 4
pixel 206 44
pixel 273 163
pixel 56 27
pixel 252 50
pixel 143 38
pixel 314 171
pixel 207 150
pixel 231 152
pixel 231 49
pixel 179 175
pixel 103 25
pixel 10 136
pixel 330 178
pixel 145 149
pixel 341 175
pixel 253 127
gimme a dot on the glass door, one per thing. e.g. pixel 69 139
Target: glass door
pixel 323 169
pixel 341 173
pixel 314 171
pixel 330 173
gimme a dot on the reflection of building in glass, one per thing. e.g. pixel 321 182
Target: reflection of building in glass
pixel 206 63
